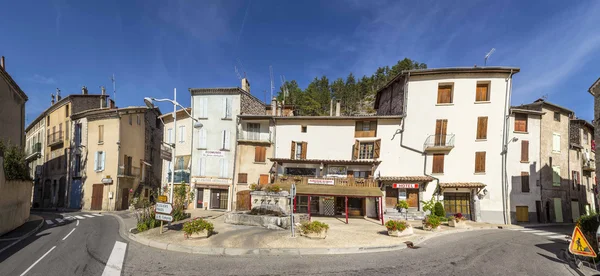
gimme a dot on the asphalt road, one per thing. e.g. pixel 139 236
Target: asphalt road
pixel 88 249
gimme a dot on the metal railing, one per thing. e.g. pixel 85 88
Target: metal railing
pixel 129 171
pixel 55 138
pixel 254 136
pixel 335 181
pixel 439 141
pixel 589 165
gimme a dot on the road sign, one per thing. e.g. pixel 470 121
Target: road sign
pixel 579 245
pixel 163 217
pixel 162 198
pixel 163 208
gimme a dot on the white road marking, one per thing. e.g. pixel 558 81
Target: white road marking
pixel 98 215
pixel 531 231
pixel 49 222
pixel 69 234
pixel 70 218
pixel 38 261
pixel 89 216
pixel 115 261
pixel 545 234
pixel 77 223
pixel 516 229
pixel 563 237
pixel 59 220
pixel 79 217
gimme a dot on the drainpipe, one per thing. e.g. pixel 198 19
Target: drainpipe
pixel 505 211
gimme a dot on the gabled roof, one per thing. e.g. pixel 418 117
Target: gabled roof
pixel 583 122
pixel 540 103
pixel 594 85
pixel 12 82
pixel 222 91
pixel 59 104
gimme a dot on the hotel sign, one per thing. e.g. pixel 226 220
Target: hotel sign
pixel 215 153
pixel 321 181
pixel 405 186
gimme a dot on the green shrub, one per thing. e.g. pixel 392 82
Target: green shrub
pixel 198 225
pixel 274 188
pixel 428 205
pixel 432 221
pixel 438 210
pixel 402 204
pixel 589 225
pixel 15 167
pixel 314 227
pixel 396 225
pixel 443 219
pixel 146 219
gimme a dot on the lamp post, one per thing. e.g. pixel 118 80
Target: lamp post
pixel 197 124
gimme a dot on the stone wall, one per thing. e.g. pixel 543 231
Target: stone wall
pixel 271 201
pixel 391 99
pixel 15 202
pixel 251 105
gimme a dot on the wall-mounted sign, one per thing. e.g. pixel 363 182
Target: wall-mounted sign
pixel 405 186
pixel 321 181
pixel 162 198
pixel 165 153
pixel 212 180
pixel 213 153
pixel 107 180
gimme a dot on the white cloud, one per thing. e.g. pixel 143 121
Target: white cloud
pixel 41 79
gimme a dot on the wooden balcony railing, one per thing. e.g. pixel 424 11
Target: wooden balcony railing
pixel 336 181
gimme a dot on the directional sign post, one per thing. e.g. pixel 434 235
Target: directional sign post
pixel 162 217
pixel 162 198
pixel 163 213
pixel 579 244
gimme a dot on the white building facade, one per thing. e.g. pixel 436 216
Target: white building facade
pixel 183 146
pixel 35 137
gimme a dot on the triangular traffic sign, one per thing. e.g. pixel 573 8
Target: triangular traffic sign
pixel 579 245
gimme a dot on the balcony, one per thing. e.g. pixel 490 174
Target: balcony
pixel 334 181
pixel 34 152
pixel 439 143
pixel 55 138
pixel 257 137
pixel 589 165
pixel 129 171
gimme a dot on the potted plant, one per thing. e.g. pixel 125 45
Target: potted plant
pixel 398 228
pixel 458 221
pixel 198 228
pixel 402 206
pixel 431 222
pixel 314 229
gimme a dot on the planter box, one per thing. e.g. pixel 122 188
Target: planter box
pixel 320 235
pixel 407 232
pixel 457 224
pixel 428 228
pixel 200 235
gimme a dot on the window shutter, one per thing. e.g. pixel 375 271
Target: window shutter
pixel 438 163
pixel 242 178
pixel 227 141
pixel 224 168
pixel 482 127
pixel 304 145
pixel 293 151
pixel 103 155
pixel 259 154
pixel 96 161
pixel 524 151
pixel 182 134
pixel 480 161
pixel 556 142
pixel 229 105
pixel 377 149
pixel 202 138
pixel 224 107
pixel 356 149
pixel 202 163
pixel 482 93
pixel 524 182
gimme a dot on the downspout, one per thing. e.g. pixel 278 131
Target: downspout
pixel 118 186
pixel 504 176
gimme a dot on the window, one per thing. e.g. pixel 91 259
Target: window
pixel 202 107
pixel 224 168
pixel 298 150
pixel 585 137
pixel 482 128
pixel 77 166
pixel 130 119
pixel 555 142
pixel 361 174
pixel 77 135
pixel 226 108
pixel 555 175
pixel 365 129
pixel 99 161
pixel 482 94
pixel 48 121
pixel 253 131
pixel 225 140
pixel 60 133
pixel 525 182
pixel 242 178
pixel 139 122
pixel 260 154
pixel 100 134
pixel 338 171
pixel 170 135
pixel 438 163
pixel 521 122
pixel 576 180
pixel 181 134
pixel 524 151
pixel 366 150
pixel 202 166
pixel 480 162
pixel 444 94
pixel 202 138
pixel 303 129
pixel 66 110
pixel 557 116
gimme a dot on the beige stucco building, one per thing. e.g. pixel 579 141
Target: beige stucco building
pixel 183 146
pixel 12 109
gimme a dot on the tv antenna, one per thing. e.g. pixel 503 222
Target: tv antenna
pixel 272 84
pixel 488 56
pixel 237 73
pixel 241 67
pixel 114 89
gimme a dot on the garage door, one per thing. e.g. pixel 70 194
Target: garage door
pixel 522 214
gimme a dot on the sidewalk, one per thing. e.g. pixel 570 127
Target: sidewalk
pixel 360 235
pixel 33 224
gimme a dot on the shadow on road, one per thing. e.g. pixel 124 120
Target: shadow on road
pixel 20 245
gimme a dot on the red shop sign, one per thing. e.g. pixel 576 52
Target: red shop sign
pixel 405 186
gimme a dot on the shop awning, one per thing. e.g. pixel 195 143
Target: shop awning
pixel 331 190
pixel 471 185
pixel 420 178
pixel 326 161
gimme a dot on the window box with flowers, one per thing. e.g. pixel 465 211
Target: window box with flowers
pixel 458 221
pixel 398 228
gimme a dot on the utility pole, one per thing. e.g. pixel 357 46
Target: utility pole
pixel 114 89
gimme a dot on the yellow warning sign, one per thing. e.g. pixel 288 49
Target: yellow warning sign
pixel 579 245
pixel 162 198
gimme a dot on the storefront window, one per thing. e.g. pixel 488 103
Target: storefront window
pixel 302 204
pixel 336 170
pixel 301 171
pixel 362 174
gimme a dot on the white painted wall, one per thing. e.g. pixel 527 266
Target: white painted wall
pixel 183 148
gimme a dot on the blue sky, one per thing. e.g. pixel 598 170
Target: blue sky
pixel 155 46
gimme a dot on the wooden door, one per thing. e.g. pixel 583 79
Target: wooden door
pixel 412 197
pixel 199 198
pixel 391 197
pixel 440 132
pixel 97 191
pixel 215 196
pixel 125 199
pixel 243 201
pixel 522 214
pixel 264 179
pixel 575 210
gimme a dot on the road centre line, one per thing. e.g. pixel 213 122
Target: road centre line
pixel 69 234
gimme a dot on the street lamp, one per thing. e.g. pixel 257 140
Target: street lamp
pixel 149 102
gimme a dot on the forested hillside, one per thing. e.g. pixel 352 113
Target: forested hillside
pixel 355 94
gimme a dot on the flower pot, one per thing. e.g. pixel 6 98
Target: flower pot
pixel 199 235
pixel 429 228
pixel 457 223
pixel 320 235
pixel 396 233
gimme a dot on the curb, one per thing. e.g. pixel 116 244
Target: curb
pixel 220 251
pixel 26 235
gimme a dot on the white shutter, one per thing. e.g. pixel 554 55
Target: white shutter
pixel 170 136
pixel 202 166
pixel 202 138
pixel 224 168
pixel 556 142
pixel 228 101
pixel 227 141
pixel 103 155
pixel 204 108
pixel 182 134
pixel 96 161
pixel 224 107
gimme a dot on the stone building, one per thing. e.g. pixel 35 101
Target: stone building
pixel 12 109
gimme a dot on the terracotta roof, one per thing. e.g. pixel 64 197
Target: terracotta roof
pixel 356 117
pixel 462 185
pixel 326 161
pixel 420 178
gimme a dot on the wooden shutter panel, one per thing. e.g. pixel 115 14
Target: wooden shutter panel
pixel 260 154
pixel 524 151
pixel 482 127
pixel 482 93
pixel 242 178
pixel 356 149
pixel 256 154
pixel 304 145
pixel 480 161
pixel 377 149
pixel 293 156
pixel 438 163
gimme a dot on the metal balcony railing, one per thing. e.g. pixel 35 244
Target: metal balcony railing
pixel 254 136
pixel 55 138
pixel 129 171
pixel 34 151
pixel 589 165
pixel 439 142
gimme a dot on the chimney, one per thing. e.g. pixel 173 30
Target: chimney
pixel 112 104
pixel 331 108
pixel 246 85
pixel 274 106
pixel 2 63
pixel 337 108
pixel 103 90
pixel 84 90
pixel 58 97
pixel 52 96
pixel 279 107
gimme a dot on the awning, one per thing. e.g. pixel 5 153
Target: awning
pixel 471 185
pixel 420 178
pixel 332 190
pixel 327 161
